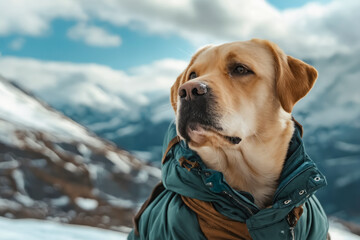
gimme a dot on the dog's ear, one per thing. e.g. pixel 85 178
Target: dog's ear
pixel 295 81
pixel 175 88
pixel 294 78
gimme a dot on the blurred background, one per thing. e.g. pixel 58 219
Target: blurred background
pixel 84 102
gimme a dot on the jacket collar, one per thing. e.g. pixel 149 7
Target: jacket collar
pixel 299 179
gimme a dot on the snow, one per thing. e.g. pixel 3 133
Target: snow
pixel 9 205
pixel 339 232
pixel 60 201
pixel 115 158
pixel 51 154
pixel 143 155
pixel 7 135
pixel 117 201
pixel 70 167
pixel 93 171
pixel 156 172
pixel 18 176
pixel 9 164
pixel 85 151
pixel 23 112
pixel 86 203
pixel 27 111
pixel 31 229
pixel 141 177
pixel 24 199
pixel 121 203
pixel 31 142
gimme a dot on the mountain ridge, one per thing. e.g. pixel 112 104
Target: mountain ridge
pixel 53 168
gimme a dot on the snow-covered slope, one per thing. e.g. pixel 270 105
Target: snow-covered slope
pixel 29 113
pixel 117 105
pixel 31 229
pixel 52 167
pixel 340 232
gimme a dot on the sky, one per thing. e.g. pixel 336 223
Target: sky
pixel 150 41
pixel 122 35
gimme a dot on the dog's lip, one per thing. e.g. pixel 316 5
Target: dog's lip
pixel 233 140
pixel 198 133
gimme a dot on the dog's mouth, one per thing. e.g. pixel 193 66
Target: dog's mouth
pixel 198 122
pixel 200 133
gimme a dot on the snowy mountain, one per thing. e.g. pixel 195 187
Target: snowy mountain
pixel 53 168
pixel 331 118
pixel 129 108
pixel 141 112
pixel 140 130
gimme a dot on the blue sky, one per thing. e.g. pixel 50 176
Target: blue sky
pixel 137 47
pixel 281 4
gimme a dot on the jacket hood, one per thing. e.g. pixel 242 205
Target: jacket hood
pixel 299 180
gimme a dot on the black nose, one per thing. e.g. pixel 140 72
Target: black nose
pixel 191 90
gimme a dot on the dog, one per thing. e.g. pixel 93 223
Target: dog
pixel 233 105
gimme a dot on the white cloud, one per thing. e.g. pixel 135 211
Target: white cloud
pixel 17 44
pixel 91 84
pixel 32 17
pixel 93 36
pixel 314 30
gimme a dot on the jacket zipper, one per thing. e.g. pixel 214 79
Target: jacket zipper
pixel 292 233
pixel 238 202
pixel 292 220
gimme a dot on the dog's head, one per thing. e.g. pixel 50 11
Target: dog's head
pixel 228 92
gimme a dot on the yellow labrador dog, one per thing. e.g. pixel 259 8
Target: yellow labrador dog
pixel 233 106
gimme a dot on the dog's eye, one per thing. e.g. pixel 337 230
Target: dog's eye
pixel 192 75
pixel 241 70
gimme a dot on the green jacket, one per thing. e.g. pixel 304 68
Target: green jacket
pixel 167 217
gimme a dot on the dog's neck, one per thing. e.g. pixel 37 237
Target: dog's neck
pixel 255 165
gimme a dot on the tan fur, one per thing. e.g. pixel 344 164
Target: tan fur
pixel 254 107
pixel 295 78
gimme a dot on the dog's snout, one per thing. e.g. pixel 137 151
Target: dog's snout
pixel 191 90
